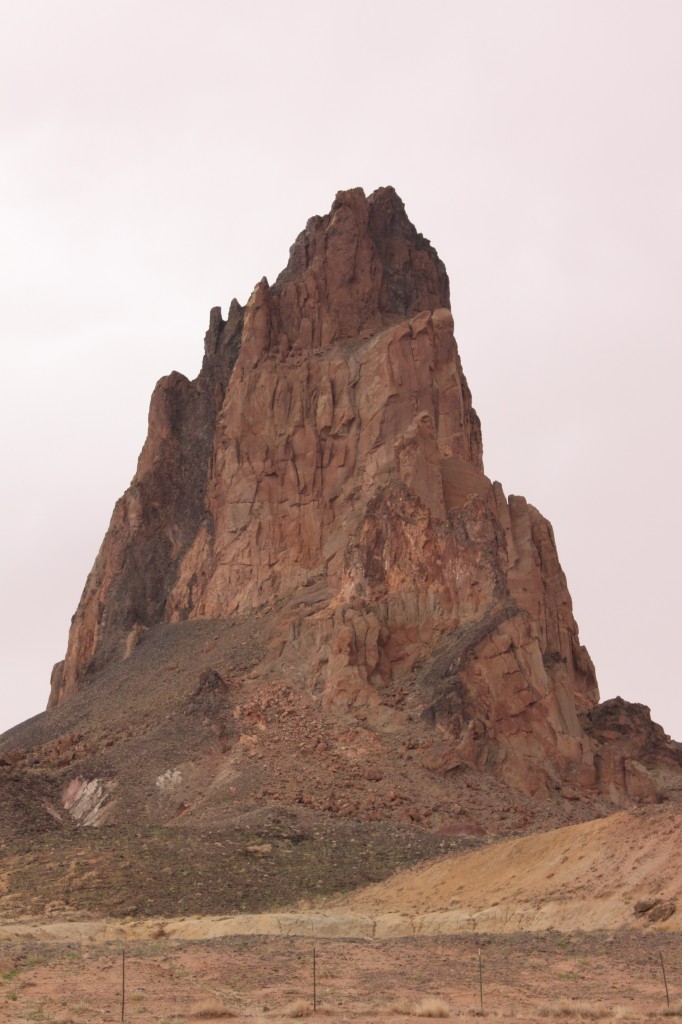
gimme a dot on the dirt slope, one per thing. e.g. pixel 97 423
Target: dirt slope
pixel 622 872
pixel 585 876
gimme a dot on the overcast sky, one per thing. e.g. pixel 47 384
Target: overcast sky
pixel 160 156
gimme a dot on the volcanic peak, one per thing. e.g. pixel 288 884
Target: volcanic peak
pixel 324 471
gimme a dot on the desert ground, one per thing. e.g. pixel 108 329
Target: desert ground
pixel 577 924
pixel 526 977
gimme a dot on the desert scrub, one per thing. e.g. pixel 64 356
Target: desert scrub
pixel 299 1008
pixel 573 1008
pixel 431 1006
pixel 210 1009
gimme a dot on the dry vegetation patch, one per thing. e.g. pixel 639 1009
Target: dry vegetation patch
pixel 431 1006
pixel 209 1009
pixel 299 1008
pixel 527 978
pixel 574 1009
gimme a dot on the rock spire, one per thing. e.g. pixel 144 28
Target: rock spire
pixel 325 468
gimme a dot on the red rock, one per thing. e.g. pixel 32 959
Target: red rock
pixel 325 467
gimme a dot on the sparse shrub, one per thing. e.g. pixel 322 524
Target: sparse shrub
pixel 299 1008
pixel 431 1006
pixel 575 1009
pixel 401 1008
pixel 210 1009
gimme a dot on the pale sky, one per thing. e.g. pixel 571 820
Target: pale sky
pixel 159 157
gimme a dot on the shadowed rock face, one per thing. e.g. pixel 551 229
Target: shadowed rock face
pixel 326 467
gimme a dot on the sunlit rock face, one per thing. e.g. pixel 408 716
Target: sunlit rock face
pixel 326 468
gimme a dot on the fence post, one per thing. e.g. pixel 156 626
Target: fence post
pixel 314 980
pixel 665 980
pixel 480 978
pixel 123 983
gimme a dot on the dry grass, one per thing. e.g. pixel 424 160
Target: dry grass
pixel 400 1008
pixel 299 1008
pixel 431 1006
pixel 210 1009
pixel 574 1009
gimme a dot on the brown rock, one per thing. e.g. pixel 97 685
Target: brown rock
pixel 662 911
pixel 644 906
pixel 655 910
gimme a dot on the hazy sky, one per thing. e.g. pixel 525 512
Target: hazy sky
pixel 159 157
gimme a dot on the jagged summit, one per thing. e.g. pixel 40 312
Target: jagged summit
pixel 323 478
pixel 359 266
pixel 381 266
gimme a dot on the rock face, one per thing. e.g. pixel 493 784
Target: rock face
pixel 326 467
